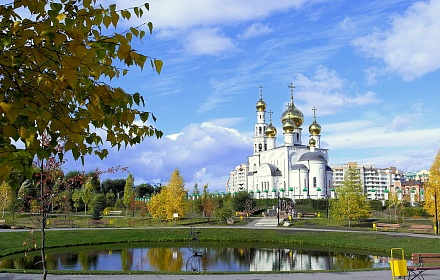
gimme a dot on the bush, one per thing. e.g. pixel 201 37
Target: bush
pixel 376 205
pixel 415 212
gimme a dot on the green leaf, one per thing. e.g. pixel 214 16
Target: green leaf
pixel 144 116
pixel 136 98
pixel 150 27
pixel 141 34
pixel 134 31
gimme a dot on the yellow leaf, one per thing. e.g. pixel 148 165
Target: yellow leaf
pixel 5 107
pixel 24 133
pixel 107 21
pixel 5 170
pixel 60 17
pixel 158 64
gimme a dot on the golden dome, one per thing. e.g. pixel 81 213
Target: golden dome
pixel 271 131
pixel 312 142
pixel 288 125
pixel 293 114
pixel 261 105
pixel 315 128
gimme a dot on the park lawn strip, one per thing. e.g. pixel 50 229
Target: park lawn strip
pixel 12 242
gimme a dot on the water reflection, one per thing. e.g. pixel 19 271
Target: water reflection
pixel 181 258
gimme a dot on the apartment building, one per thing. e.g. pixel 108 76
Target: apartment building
pixel 376 181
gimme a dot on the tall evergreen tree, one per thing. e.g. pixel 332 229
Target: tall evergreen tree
pixel 351 202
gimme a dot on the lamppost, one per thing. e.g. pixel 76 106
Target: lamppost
pixel 436 212
pixel 278 208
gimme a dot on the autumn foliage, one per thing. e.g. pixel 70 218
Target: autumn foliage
pixel 171 200
pixel 53 66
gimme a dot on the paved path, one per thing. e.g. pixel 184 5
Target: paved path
pixel 360 275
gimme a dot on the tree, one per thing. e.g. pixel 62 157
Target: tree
pixel 86 194
pixel 170 200
pixel 208 203
pixel 394 203
pixel 116 186
pixel 6 196
pixel 196 191
pixel 351 202
pixel 128 197
pixel 53 68
pixel 99 203
pixel 432 191
pixel 241 199
pixel 77 198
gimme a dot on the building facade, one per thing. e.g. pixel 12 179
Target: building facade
pixel 293 169
pixel 377 182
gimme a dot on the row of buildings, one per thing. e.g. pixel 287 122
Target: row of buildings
pixel 298 168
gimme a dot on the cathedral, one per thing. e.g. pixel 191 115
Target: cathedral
pixel 292 170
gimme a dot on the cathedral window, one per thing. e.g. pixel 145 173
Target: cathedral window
pixel 260 147
pixel 260 131
pixel 314 182
pixel 265 146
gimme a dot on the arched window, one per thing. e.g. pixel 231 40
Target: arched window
pixel 260 147
pixel 314 182
pixel 260 130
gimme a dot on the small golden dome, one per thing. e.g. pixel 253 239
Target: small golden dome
pixel 261 105
pixel 315 128
pixel 271 131
pixel 312 142
pixel 288 126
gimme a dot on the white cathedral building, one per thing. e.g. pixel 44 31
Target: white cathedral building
pixel 292 170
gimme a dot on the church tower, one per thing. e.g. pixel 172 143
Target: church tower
pixel 315 131
pixel 260 140
pixel 271 132
pixel 292 119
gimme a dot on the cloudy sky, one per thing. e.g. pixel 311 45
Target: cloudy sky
pixel 370 67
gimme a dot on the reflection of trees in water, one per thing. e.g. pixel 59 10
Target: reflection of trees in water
pixel 165 259
pixel 68 259
pixel 126 259
pixel 174 259
pixel 88 260
pixel 351 261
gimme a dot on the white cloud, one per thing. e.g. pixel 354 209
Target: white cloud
pixel 255 30
pixel 208 41
pixel 329 93
pixel 204 153
pixel 407 119
pixel 411 46
pixel 192 13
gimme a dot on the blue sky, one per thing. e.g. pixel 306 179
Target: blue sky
pixel 370 67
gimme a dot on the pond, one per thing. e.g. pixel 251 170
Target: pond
pixel 230 257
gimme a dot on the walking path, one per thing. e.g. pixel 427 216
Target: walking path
pixel 360 275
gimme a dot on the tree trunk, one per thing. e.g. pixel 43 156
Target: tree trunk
pixel 43 224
